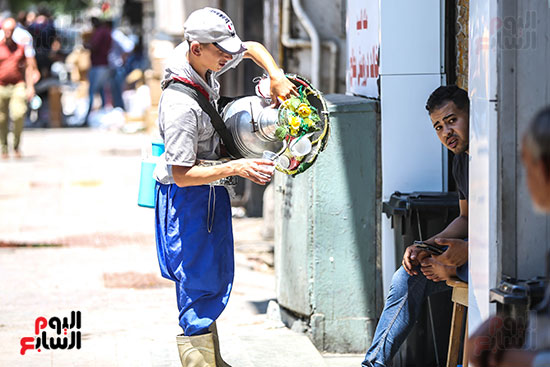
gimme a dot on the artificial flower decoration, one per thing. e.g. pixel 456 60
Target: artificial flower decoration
pixel 303 128
pixel 295 123
pixel 301 116
pixel 304 110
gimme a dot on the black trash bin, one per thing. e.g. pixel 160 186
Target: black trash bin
pixel 418 216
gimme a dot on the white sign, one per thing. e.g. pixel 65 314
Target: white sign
pixel 363 44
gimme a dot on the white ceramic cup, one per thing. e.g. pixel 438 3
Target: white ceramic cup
pixel 301 147
pixel 269 155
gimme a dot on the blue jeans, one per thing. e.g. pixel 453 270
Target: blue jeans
pixel 404 302
pixel 118 77
pixel 98 77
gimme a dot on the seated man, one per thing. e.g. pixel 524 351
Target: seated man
pixel 493 343
pixel 421 274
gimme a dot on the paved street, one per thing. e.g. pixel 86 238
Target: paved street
pixel 73 239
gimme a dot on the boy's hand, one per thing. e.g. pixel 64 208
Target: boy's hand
pixel 282 87
pixel 258 171
pixel 456 253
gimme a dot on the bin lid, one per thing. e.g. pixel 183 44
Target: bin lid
pixel 513 291
pixel 346 103
pixel 402 203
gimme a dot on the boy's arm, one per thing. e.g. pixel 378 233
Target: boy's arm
pixel 256 170
pixel 280 85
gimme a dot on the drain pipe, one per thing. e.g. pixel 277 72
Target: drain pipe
pixel 315 43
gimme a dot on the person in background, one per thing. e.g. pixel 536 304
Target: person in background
pixel 136 59
pixel 22 19
pixel 98 75
pixel 498 342
pixel 31 17
pixel 16 87
pixel 44 37
pixel 22 37
pixel 121 46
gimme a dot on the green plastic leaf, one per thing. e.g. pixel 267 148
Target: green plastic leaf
pixel 281 132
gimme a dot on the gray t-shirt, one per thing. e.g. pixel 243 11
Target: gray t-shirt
pixel 185 128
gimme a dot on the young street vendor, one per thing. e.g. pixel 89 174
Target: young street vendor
pixel 193 212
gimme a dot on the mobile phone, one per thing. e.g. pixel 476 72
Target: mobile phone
pixel 432 249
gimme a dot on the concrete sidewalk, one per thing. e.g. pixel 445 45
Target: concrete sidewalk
pixel 73 239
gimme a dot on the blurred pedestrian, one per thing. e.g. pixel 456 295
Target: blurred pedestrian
pixel 44 37
pixel 31 17
pixel 136 59
pixel 22 19
pixel 22 37
pixel 98 76
pixel 16 87
pixel 121 46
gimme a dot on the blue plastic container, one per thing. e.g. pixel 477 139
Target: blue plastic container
pixel 146 195
pixel 157 148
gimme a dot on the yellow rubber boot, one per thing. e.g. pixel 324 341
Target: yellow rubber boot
pixel 219 361
pixel 196 351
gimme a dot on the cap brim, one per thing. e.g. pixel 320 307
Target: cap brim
pixel 231 45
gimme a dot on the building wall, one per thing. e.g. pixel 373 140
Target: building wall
pixel 461 29
pixel 509 82
pixel 524 88
pixel 329 18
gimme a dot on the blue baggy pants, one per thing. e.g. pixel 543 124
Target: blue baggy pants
pixel 194 239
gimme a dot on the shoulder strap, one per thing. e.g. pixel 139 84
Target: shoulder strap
pixel 215 117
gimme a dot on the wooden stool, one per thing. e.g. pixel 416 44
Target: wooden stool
pixel 460 307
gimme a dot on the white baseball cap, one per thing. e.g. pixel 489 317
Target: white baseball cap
pixel 209 25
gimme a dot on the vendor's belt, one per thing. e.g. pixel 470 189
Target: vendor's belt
pixel 226 181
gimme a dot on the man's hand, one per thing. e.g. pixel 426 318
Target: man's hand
pixel 515 358
pixel 436 271
pixel 456 254
pixel 258 171
pixel 412 257
pixel 489 343
pixel 30 92
pixel 281 86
